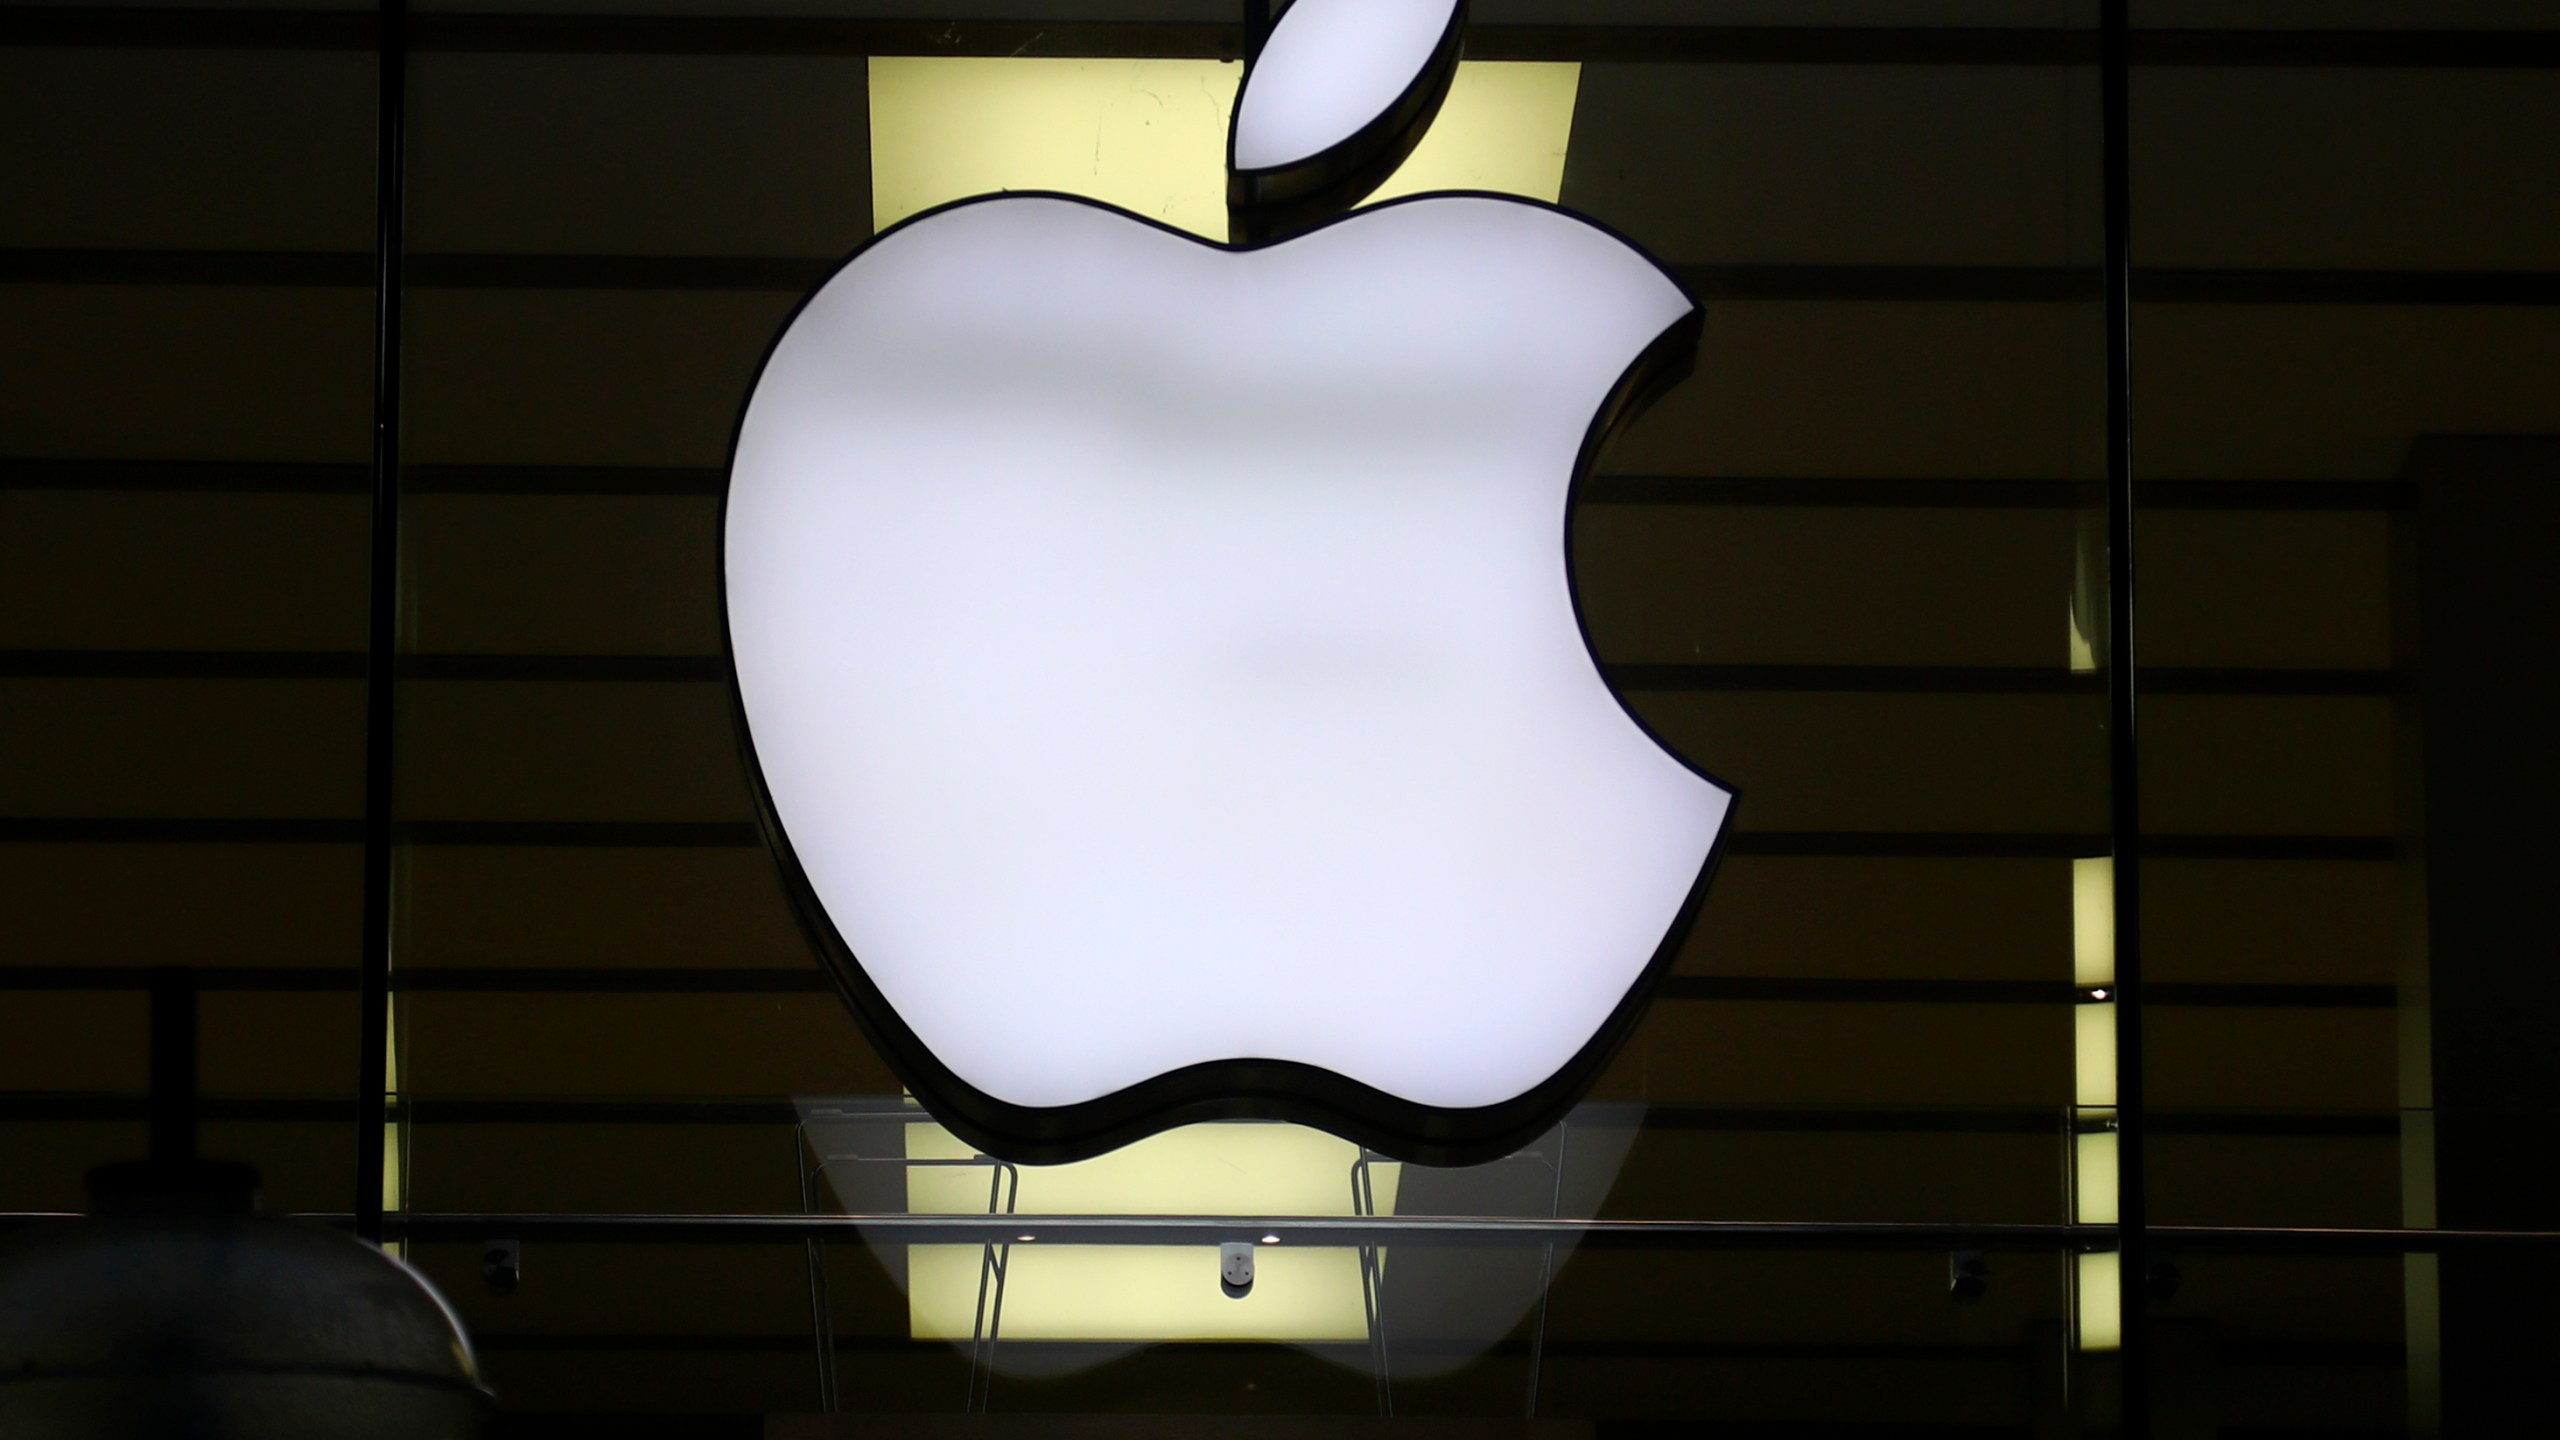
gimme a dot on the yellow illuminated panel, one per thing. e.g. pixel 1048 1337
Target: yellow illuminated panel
pixel 2093 922
pixel 1503 128
pixel 1150 136
pixel 2094 1183
pixel 2094 1051
pixel 1146 135
pixel 1150 1292
pixel 1139 1293
pixel 2101 1302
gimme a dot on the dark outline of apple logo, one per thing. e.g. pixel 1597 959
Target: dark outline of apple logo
pixel 1267 207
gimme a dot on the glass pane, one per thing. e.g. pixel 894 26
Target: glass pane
pixel 185 412
pixel 1876 622
pixel 1853 564
pixel 2346 459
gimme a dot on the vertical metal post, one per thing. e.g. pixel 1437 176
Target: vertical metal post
pixel 382 629
pixel 805 1141
pixel 1546 1270
pixel 173 1065
pixel 2124 760
pixel 1373 1299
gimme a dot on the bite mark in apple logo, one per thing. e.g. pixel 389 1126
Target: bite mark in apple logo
pixel 1158 663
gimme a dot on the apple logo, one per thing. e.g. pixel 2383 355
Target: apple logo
pixel 1158 661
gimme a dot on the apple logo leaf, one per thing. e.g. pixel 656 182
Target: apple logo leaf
pixel 1338 98
pixel 1157 662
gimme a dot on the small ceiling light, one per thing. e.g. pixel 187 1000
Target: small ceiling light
pixel 1270 1239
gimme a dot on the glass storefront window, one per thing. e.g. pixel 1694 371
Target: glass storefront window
pixel 1856 563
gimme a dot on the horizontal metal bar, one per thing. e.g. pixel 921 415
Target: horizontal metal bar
pixel 1843 492
pixel 476 1227
pixel 1782 45
pixel 1856 991
pixel 2044 1123
pixel 1154 1230
pixel 350 665
pixel 431 979
pixel 1857 679
pixel 713 669
pixel 1921 1120
pixel 2158 285
pixel 781 980
pixel 556 1342
pixel 678 481
pixel 744 35
pixel 166 830
pixel 1214 1229
pixel 157 28
pixel 737 834
pixel 1400 1230
pixel 1994 679
pixel 795 275
pixel 1952 45
pixel 2026 845
pixel 1789 492
pixel 2228 1354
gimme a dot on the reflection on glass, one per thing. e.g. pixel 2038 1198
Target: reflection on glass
pixel 1060 1290
pixel 1434 1310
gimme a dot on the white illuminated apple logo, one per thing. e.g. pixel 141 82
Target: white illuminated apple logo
pixel 1159 659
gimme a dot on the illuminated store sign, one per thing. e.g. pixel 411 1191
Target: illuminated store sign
pixel 1159 660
